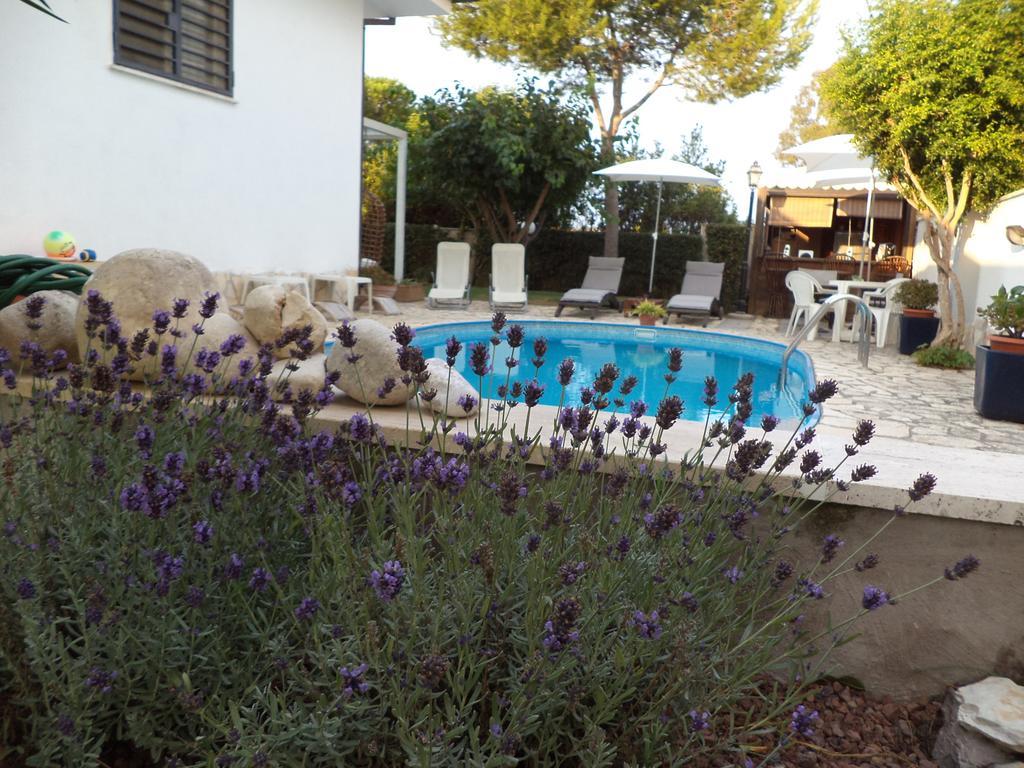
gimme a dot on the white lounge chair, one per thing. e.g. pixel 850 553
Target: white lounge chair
pixel 600 285
pixel 508 276
pixel 701 294
pixel 451 283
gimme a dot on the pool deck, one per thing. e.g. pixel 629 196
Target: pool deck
pixel 925 419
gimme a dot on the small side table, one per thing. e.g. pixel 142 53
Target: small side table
pixel 350 284
pixel 353 290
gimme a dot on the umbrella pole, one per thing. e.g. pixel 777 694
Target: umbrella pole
pixel 866 237
pixel 654 247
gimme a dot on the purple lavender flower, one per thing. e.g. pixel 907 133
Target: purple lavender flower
pixel 498 322
pixel 232 345
pixel 403 334
pixel 733 574
pixel 963 567
pixel 346 334
pixel 202 532
pixel 864 432
pixel 566 369
pixel 144 437
pixel 101 680
pixel 479 358
pixel 867 563
pixel 233 570
pixel 658 524
pixel 570 573
pixel 700 721
pixel 452 349
pixel 26 589
pixel 802 721
pixel 669 411
pixel 874 598
pixel 923 486
pixel 540 348
pixel 194 596
pixel 769 422
pixel 307 609
pixel 515 336
pixel 532 393
pixel 648 627
pixel 863 472
pixel 783 570
pixel 351 493
pixel 179 307
pixel 259 580
pixel 560 630
pixel 208 306
pixel 352 681
pixel 823 390
pixel 388 581
pixel 467 403
pixel 812 589
pixel 359 428
pixel 161 321
pixel 830 546
pixel 386 388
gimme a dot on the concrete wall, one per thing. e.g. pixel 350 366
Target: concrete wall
pixel 268 180
pixel 951 633
pixel 989 259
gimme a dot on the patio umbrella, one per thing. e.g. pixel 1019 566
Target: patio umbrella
pixel 833 160
pixel 661 170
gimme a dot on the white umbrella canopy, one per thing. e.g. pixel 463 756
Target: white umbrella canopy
pixel 660 170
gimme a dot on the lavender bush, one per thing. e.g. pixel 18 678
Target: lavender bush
pixel 215 581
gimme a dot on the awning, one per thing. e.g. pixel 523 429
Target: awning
pixel 881 208
pixel 791 211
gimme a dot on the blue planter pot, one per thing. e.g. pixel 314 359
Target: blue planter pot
pixel 999 385
pixel 916 332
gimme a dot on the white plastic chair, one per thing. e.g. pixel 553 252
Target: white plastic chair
pixel 451 283
pixel 803 287
pixel 508 276
pixel 881 314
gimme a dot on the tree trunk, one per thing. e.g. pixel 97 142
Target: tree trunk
pixel 942 242
pixel 611 199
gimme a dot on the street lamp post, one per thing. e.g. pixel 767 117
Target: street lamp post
pixel 753 179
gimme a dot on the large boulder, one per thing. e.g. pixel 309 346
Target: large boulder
pixel 141 281
pixel 378 361
pixel 57 321
pixel 309 375
pixel 217 330
pixel 983 725
pixel 270 310
pixel 449 391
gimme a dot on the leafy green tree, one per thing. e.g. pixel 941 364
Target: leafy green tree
pixel 713 49
pixel 506 158
pixel 932 89
pixel 684 207
pixel 809 120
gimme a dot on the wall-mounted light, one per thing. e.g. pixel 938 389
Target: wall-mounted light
pixel 1015 234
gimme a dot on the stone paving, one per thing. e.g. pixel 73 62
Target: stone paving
pixel 923 405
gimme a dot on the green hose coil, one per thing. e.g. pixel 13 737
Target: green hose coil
pixel 21 275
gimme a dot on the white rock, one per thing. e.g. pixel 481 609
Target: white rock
pixel 310 375
pixel 57 320
pixel 378 361
pixel 994 708
pixel 143 280
pixel 457 387
pixel 270 310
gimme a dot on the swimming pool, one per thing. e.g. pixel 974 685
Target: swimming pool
pixel 642 352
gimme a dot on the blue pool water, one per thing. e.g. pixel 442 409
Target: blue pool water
pixel 642 352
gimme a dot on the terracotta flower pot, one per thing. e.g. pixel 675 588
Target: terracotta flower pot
pixel 1009 344
pixel 918 312
pixel 384 291
pixel 648 320
pixel 410 292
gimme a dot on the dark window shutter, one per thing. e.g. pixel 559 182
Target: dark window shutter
pixel 184 40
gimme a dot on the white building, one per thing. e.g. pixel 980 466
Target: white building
pixel 990 258
pixel 226 129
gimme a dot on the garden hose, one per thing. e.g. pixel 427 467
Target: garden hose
pixel 21 275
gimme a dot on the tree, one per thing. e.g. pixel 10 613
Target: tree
pixel 507 158
pixel 387 101
pixel 931 89
pixel 713 49
pixel 809 120
pixel 684 207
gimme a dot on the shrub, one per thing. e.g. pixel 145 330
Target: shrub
pixel 379 275
pixel 1006 312
pixel 216 582
pixel 917 294
pixel 944 357
pixel 650 309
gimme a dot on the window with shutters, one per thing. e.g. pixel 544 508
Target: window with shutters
pixel 184 40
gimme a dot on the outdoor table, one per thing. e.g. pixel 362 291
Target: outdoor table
pixel 844 287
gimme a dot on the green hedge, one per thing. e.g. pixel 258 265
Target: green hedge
pixel 557 259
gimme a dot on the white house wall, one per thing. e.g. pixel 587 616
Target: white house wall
pixel 268 180
pixel 989 259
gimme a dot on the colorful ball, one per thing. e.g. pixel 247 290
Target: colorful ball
pixel 59 245
pixel 87 254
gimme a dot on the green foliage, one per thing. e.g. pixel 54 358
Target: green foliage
pixel 809 120
pixel 648 308
pixel 506 158
pixel 727 243
pixel 216 582
pixel 937 82
pixel 1006 311
pixel 944 357
pixel 389 102
pixel 917 294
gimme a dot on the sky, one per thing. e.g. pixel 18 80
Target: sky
pixel 738 132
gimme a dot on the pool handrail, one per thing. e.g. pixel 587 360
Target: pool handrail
pixel 864 343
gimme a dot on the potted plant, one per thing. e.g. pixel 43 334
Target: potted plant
pixel 648 312
pixel 1006 316
pixel 918 324
pixel 383 281
pixel 1000 366
pixel 410 290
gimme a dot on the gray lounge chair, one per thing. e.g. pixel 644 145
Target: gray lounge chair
pixel 600 285
pixel 701 294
